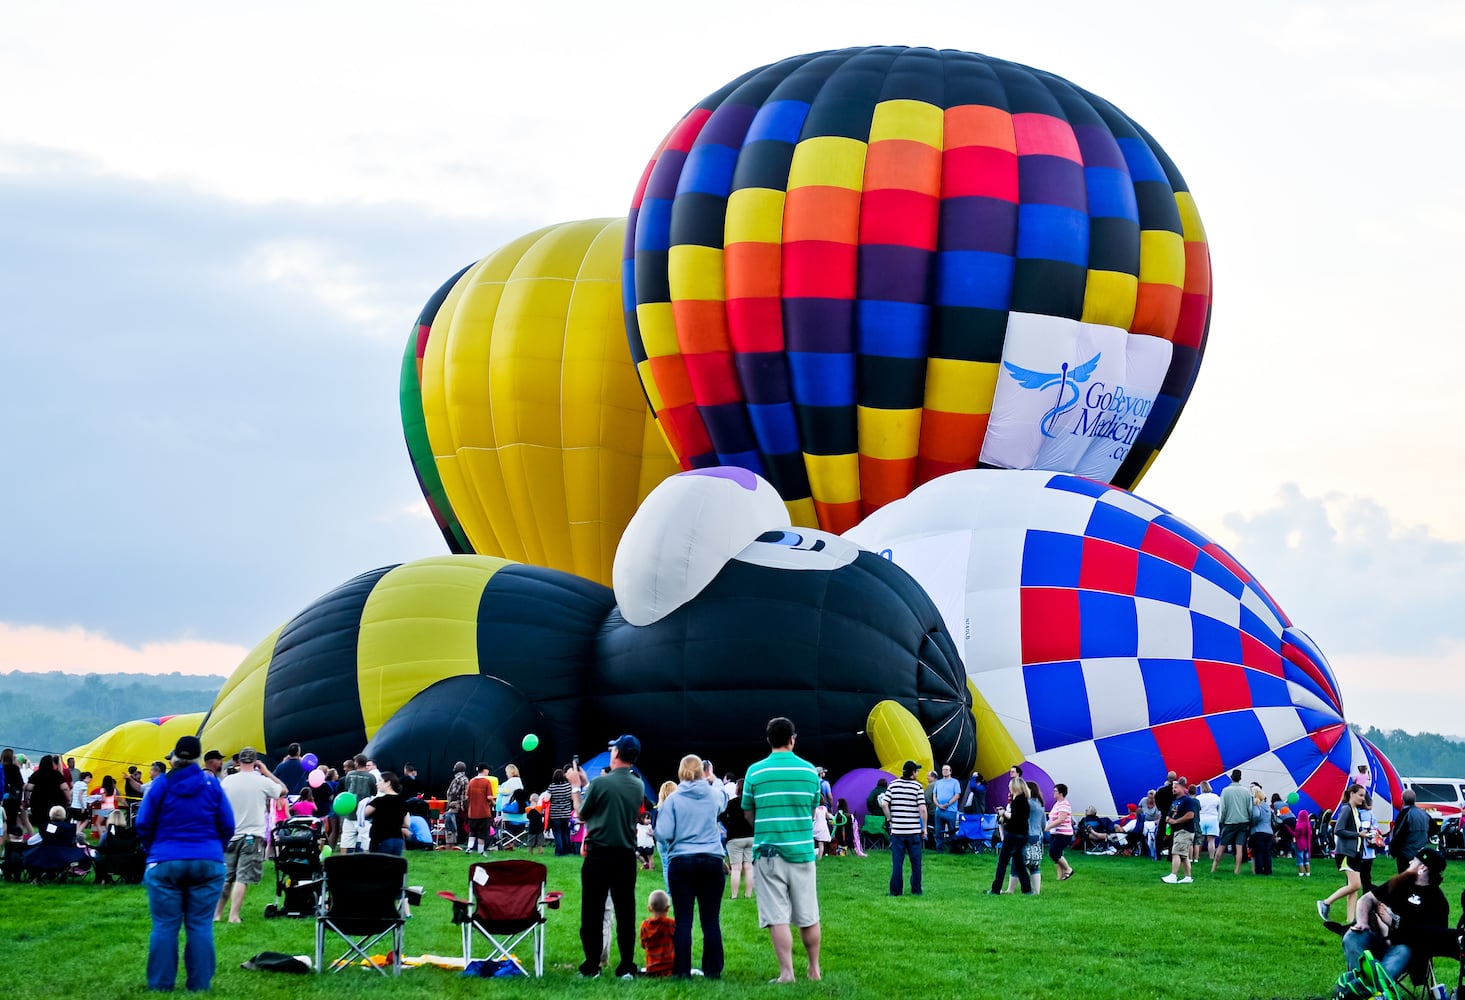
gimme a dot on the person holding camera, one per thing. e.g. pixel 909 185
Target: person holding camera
pixel 251 790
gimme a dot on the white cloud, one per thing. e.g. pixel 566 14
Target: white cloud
pixel 310 268
pixel 75 650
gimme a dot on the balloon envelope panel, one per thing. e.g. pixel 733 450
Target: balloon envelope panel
pixel 136 743
pixel 854 271
pixel 1114 642
pixel 524 420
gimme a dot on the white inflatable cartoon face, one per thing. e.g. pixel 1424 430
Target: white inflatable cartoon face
pixel 685 532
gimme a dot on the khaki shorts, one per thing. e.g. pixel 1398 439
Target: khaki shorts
pixel 787 893
pixel 244 860
pixel 1182 842
pixel 740 851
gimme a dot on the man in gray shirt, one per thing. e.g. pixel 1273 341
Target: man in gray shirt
pixel 1235 820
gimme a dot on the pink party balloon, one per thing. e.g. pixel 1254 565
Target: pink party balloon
pixel 317 778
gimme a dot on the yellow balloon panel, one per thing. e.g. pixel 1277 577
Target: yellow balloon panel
pixel 419 626
pixel 133 744
pixel 236 719
pixel 536 419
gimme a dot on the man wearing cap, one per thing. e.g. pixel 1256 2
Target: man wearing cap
pixel 1405 917
pixel 184 822
pixel 780 793
pixel 906 818
pixel 609 807
pixel 946 792
pixel 213 762
pixel 250 792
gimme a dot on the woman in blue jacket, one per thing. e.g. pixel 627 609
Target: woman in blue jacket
pixel 687 832
pixel 183 824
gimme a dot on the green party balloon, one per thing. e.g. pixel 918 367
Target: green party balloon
pixel 325 851
pixel 1292 798
pixel 345 804
pixel 530 742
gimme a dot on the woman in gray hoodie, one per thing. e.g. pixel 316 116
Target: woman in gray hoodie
pixel 689 838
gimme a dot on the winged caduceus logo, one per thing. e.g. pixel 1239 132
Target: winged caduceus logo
pixel 1065 378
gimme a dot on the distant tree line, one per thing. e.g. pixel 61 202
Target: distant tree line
pixel 1419 754
pixel 54 712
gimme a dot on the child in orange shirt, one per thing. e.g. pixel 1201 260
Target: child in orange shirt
pixel 657 933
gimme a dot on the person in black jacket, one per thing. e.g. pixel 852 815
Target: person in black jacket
pixel 1014 837
pixel 1402 919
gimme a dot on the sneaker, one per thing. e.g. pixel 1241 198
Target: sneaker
pixel 1322 909
pixel 1186 879
pixel 1172 878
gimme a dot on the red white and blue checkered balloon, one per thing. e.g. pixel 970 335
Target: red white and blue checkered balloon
pixel 1108 642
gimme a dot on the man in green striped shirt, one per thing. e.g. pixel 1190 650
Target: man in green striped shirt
pixel 780 793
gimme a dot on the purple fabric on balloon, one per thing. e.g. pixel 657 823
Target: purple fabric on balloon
pixel 742 477
pixel 855 786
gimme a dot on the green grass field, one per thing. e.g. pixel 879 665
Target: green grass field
pixel 1114 930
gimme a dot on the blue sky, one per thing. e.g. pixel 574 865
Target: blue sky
pixel 216 230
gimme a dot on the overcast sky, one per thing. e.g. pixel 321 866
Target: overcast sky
pixel 218 224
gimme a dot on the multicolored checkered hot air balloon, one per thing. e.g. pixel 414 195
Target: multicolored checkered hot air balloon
pixel 854 271
pixel 1108 642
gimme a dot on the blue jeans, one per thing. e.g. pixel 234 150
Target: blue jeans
pixel 945 828
pixel 182 893
pixel 561 830
pixel 697 879
pixel 901 845
pixel 392 845
pixel 1395 960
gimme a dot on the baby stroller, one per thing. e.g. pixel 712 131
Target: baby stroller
pixel 298 868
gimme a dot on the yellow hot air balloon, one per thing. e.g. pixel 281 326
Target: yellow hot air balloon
pixel 137 743
pixel 523 413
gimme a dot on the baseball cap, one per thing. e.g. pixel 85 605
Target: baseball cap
pixel 627 747
pixel 214 755
pixel 248 755
pixel 187 748
pixel 1433 860
pixel 909 768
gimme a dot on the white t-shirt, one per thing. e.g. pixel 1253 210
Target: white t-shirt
pixel 1210 807
pixel 249 795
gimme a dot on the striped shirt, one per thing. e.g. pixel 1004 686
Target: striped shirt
pixel 561 805
pixel 904 799
pixel 782 790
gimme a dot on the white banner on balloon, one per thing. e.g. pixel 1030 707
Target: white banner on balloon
pixel 1071 396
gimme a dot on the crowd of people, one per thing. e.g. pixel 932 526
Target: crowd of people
pixel 206 824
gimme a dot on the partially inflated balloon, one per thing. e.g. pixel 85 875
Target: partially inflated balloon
pixel 1108 642
pixel 529 433
pixel 854 271
pixel 134 744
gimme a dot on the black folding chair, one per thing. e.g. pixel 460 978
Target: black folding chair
pixel 362 903
pixel 509 904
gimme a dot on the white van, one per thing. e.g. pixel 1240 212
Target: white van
pixel 1442 798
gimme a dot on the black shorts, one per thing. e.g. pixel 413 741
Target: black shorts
pixel 1234 834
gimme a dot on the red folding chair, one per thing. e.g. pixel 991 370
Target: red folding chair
pixel 509 903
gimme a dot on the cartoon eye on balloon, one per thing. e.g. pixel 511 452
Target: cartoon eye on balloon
pixel 854 271
pixel 527 429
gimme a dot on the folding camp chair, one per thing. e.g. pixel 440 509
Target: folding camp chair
pixel 513 827
pixel 362 903
pixel 508 905
pixel 873 832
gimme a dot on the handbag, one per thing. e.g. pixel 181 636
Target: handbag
pixel 1032 855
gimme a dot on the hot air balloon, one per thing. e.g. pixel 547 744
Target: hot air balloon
pixel 524 421
pixel 853 271
pixel 134 744
pixel 458 657
pixel 1108 642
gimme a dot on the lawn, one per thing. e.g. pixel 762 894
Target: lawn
pixel 1114 930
